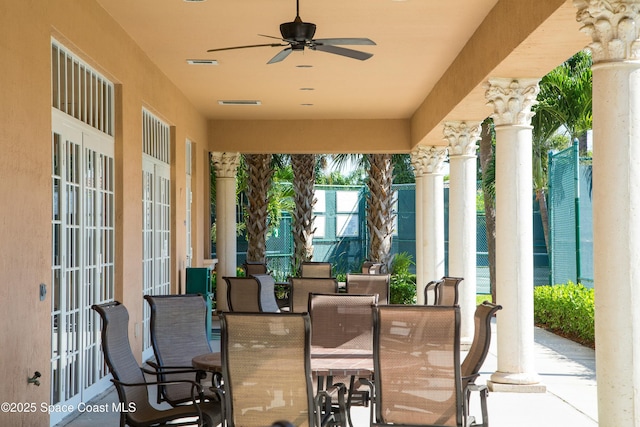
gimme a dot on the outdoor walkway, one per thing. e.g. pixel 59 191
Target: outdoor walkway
pixel 566 368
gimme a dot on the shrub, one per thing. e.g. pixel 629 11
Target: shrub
pixel 567 310
pixel 402 283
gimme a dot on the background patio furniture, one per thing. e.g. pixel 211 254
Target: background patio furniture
pixel 368 284
pixel 431 292
pixel 178 332
pixel 131 384
pixel 370 267
pixel 315 269
pixel 448 291
pixel 301 287
pixel 253 267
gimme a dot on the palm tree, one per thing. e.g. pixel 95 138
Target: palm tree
pixel 487 156
pixel 259 174
pixel 564 102
pixel 380 207
pixel 304 169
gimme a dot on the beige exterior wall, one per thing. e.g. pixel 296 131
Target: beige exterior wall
pixel 25 177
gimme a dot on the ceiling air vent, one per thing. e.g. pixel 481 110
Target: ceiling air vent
pixel 202 62
pixel 239 102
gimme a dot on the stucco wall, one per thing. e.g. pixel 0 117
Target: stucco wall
pixel 25 177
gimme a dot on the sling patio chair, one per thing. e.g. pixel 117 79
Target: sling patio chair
pixel 132 387
pixel 345 322
pixel 431 291
pixel 417 367
pixel 267 370
pixel 477 353
pixel 370 267
pixel 243 294
pixel 315 269
pixel 178 334
pixel 301 287
pixel 448 291
pixel 254 267
pixel 366 284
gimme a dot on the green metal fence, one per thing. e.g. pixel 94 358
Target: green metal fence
pixel 570 218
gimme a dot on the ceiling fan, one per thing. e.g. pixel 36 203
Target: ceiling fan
pixel 297 35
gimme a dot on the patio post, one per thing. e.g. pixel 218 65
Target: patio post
pixel 614 27
pixel 427 162
pixel 512 100
pixel 462 137
pixel 225 165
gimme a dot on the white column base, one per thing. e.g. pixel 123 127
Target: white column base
pixel 520 382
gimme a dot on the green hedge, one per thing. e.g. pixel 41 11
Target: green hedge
pixel 567 310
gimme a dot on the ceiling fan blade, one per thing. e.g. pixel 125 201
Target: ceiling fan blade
pixel 349 41
pixel 271 37
pixel 350 53
pixel 244 47
pixel 280 56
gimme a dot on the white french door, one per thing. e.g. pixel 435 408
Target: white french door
pixel 156 218
pixel 83 248
pixel 189 200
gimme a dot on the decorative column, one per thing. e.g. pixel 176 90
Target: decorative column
pixel 614 29
pixel 512 101
pixel 462 139
pixel 225 165
pixel 427 163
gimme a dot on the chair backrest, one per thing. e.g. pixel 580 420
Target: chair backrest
pixel 365 284
pixel 119 357
pixel 431 291
pixel 342 320
pixel 267 368
pixel 254 267
pixel 481 340
pixel 268 302
pixel 370 267
pixel 243 294
pixel 315 269
pixel 301 287
pixel 417 365
pixel 448 292
pixel 178 330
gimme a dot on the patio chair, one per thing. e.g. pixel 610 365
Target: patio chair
pixel 254 267
pixel 417 367
pixel 178 334
pixel 268 301
pixel 366 284
pixel 448 291
pixel 267 369
pixel 343 321
pixel 243 294
pixel 370 267
pixel 131 385
pixel 315 269
pixel 431 292
pixel 470 369
pixel 301 287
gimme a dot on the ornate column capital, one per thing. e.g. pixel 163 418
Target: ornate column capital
pixel 462 137
pixel 225 164
pixel 613 27
pixel 512 100
pixel 428 159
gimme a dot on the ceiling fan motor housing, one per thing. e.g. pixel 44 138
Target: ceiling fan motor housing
pixel 301 32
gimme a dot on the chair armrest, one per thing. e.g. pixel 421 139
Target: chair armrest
pixel 367 382
pixel 484 393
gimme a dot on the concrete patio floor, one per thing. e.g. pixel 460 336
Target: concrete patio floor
pixel 566 369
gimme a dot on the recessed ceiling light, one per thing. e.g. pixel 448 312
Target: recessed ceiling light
pixel 202 62
pixel 239 102
pixel 307 88
pixel 304 66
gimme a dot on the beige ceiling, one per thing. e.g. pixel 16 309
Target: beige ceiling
pixel 429 63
